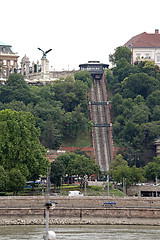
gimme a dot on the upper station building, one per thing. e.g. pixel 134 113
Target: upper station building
pixel 8 60
pixel 95 68
pixel 145 46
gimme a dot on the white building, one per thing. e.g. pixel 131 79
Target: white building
pixel 145 46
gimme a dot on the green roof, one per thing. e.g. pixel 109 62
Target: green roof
pixel 4 44
pixel 7 45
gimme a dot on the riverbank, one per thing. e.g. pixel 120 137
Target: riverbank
pixel 70 221
pixel 81 216
pixel 80 211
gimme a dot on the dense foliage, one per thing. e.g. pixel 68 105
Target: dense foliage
pixel 21 154
pixel 60 110
pixel 73 164
pixel 134 92
pixel 120 169
pixel 36 116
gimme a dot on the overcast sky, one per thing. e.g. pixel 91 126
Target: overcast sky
pixel 77 30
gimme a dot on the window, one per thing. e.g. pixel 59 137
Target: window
pixel 147 56
pixel 4 73
pixel 138 55
pixel 158 58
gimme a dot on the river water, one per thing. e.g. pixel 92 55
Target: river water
pixel 98 232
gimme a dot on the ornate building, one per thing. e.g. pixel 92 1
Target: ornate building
pixel 34 73
pixel 8 60
pixel 145 46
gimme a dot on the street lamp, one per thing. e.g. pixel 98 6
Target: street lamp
pixel 50 235
pixel 85 184
pixel 124 186
pixel 107 185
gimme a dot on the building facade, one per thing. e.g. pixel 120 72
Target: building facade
pixel 33 72
pixel 145 46
pixel 8 60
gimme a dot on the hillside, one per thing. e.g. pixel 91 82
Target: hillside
pixel 135 96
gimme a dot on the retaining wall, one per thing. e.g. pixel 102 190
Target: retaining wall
pixel 80 210
pixel 132 216
pixel 85 201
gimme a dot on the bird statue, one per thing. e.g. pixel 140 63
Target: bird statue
pixel 44 52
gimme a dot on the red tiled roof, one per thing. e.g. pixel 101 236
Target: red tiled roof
pixel 144 40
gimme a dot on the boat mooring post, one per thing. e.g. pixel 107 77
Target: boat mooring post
pixel 50 235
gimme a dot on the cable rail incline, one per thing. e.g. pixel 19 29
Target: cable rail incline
pixel 101 131
pixel 102 137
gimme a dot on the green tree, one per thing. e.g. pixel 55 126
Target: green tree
pixel 57 172
pixel 156 113
pixel 16 181
pixel 152 169
pixel 148 67
pixel 131 131
pixel 75 122
pixel 139 100
pixel 81 166
pixel 120 52
pixel 139 84
pixel 85 77
pixel 140 113
pixel 119 170
pixel 137 174
pixel 3 179
pixel 117 104
pixel 16 106
pixel 51 136
pixel 123 69
pixel 64 92
pixel 153 99
pixel 79 122
pixel 149 132
pixel 16 89
pixel 66 158
pixel 20 144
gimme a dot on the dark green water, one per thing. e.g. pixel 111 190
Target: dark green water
pixel 82 232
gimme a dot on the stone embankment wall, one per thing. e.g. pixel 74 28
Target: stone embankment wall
pixel 85 201
pixel 84 210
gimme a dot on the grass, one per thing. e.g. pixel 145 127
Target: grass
pixel 83 140
pixel 90 190
pixel 98 191
pixel 63 191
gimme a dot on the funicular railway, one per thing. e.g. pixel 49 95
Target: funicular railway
pixel 99 114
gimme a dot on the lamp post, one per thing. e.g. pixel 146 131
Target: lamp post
pixel 107 185
pixel 156 187
pixel 85 184
pixel 50 235
pixel 124 186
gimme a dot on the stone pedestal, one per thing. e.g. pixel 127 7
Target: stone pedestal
pixel 45 68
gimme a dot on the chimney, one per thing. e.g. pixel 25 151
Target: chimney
pixel 156 31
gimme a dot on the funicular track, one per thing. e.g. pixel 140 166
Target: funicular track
pixel 101 126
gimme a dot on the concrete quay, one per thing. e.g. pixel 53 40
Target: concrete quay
pixel 80 210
